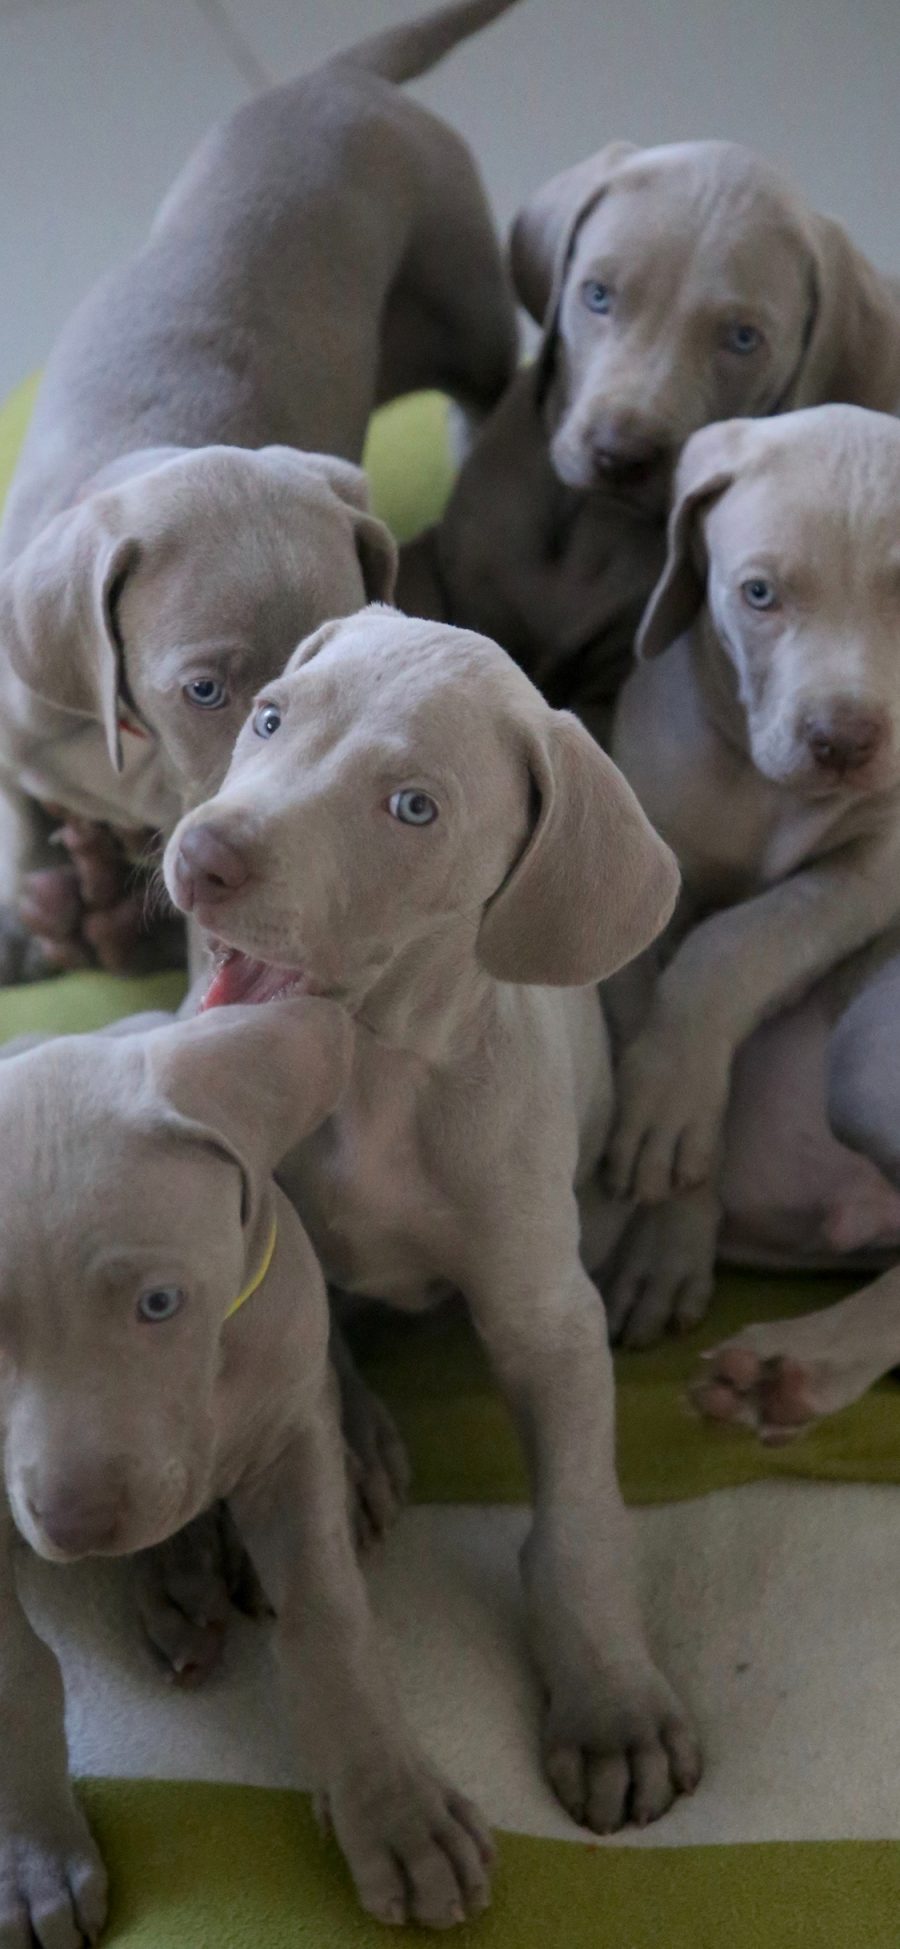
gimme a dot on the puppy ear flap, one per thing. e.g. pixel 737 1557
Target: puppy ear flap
pixel 375 545
pixel 57 613
pixel 594 885
pixel 707 467
pixel 544 231
pixel 853 352
pixel 253 1081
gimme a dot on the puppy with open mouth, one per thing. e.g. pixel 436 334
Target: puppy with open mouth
pixel 407 827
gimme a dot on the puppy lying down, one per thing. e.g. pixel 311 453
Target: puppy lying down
pixel 408 828
pixel 163 1342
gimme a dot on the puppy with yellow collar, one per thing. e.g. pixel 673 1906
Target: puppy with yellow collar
pixel 164 1345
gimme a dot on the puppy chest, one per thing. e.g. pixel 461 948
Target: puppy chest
pixel 377 1219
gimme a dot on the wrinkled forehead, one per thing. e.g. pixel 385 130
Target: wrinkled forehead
pixel 93 1173
pixel 446 700
pixel 704 211
pixel 237 554
pixel 823 495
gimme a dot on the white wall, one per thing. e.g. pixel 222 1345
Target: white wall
pixel 813 83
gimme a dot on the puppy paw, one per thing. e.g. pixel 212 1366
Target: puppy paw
pixel 23 958
pixel 623 1755
pixel 662 1272
pixel 418 1851
pixel 377 1462
pixel 377 1475
pixel 186 1589
pixel 672 1094
pixel 93 909
pixel 53 1888
pixel 773 1379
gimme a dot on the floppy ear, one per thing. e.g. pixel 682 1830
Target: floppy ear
pixel 253 1081
pixel 543 233
pixel 594 885
pixel 57 620
pixel 375 544
pixel 853 354
pixel 708 465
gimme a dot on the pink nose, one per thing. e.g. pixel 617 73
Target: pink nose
pixel 844 737
pixel 75 1525
pixel 208 868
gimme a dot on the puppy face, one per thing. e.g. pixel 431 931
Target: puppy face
pixel 790 529
pixel 404 784
pixel 160 604
pixel 135 1206
pixel 687 297
pixel 112 1301
pixel 370 797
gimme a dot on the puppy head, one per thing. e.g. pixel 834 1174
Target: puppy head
pixel 683 285
pixel 170 596
pixel 136 1205
pixel 784 535
pixel 403 783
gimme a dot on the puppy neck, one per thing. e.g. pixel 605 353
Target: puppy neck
pixel 433 998
pixel 716 679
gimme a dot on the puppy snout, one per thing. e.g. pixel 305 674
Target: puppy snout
pixel 844 737
pixel 77 1523
pixel 622 446
pixel 208 868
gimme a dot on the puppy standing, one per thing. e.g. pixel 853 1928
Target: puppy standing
pixel 674 286
pixel 164 1333
pixel 761 732
pixel 166 541
pixel 407 827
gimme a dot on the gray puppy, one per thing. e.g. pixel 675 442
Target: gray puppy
pixel 163 1342
pixel 675 286
pixel 174 527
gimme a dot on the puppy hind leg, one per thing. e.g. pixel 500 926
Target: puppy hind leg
pixel 863 1069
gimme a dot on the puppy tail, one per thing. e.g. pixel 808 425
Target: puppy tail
pixel 403 53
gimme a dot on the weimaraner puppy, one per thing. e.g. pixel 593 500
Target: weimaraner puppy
pixel 407 827
pixel 175 526
pixel 675 286
pixel 761 732
pixel 833 1127
pixel 165 1336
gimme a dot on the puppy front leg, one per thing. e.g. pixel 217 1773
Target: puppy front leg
pixel 52 1880
pixel 416 1849
pixel 662 1271
pixel 617 1743
pixel 377 1462
pixel 731 972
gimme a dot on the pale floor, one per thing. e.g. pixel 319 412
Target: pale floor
pixel 102 100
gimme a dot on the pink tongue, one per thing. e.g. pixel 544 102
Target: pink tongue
pixel 238 979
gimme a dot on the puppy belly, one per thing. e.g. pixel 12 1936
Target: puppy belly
pixel 792 1194
pixel 386 1269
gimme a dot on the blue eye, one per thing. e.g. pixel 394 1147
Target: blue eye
pixel 267 721
pixel 412 808
pixel 743 339
pixel 758 593
pixel 206 693
pixel 160 1304
pixel 597 296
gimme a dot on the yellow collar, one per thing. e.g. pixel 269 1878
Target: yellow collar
pixel 257 1280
